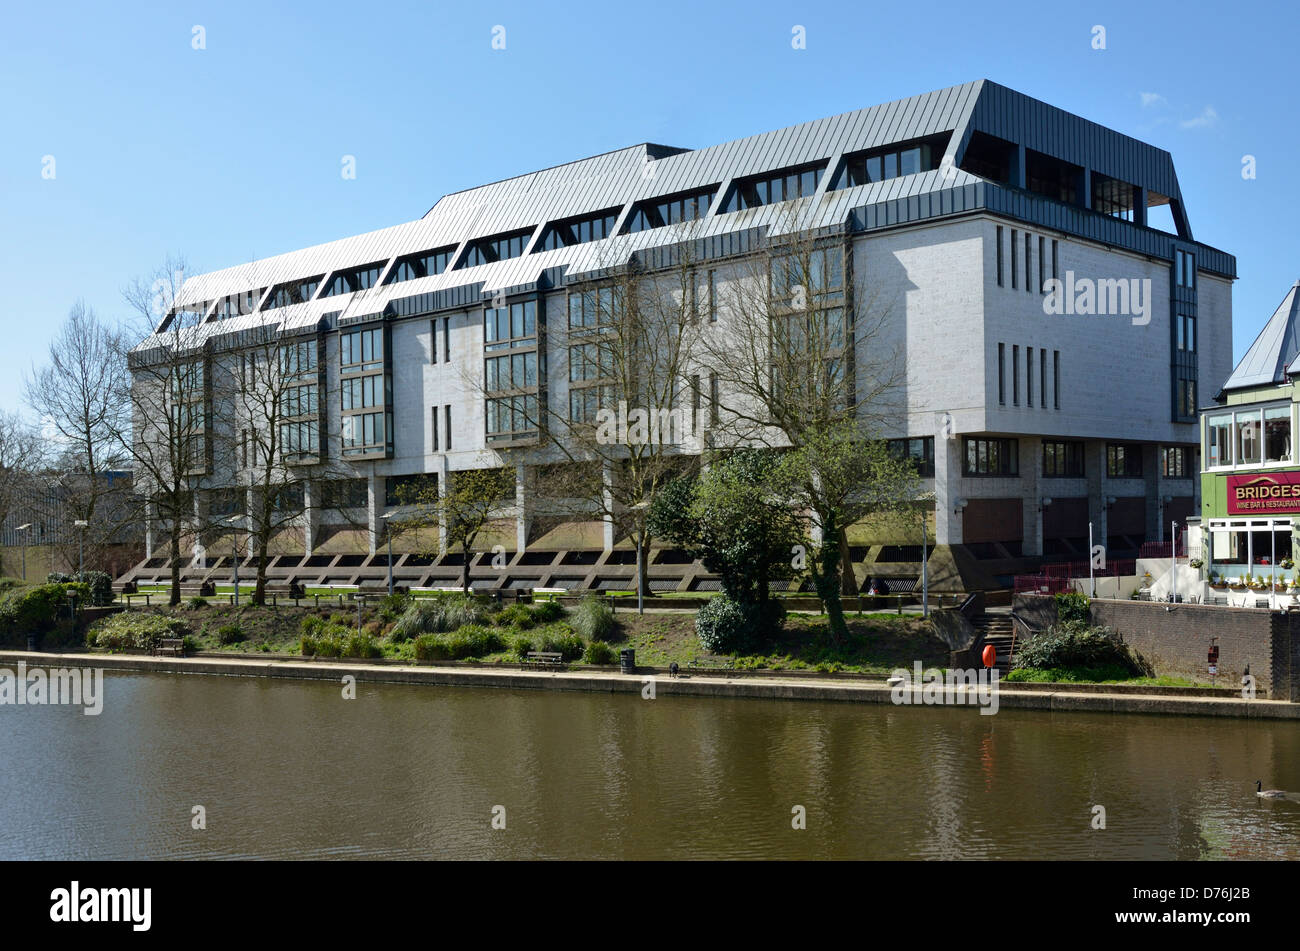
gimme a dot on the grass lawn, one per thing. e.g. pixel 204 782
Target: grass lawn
pixel 1095 675
pixel 877 643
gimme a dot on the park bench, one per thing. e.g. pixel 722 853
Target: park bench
pixel 711 662
pixel 129 597
pixel 553 658
pixel 174 644
pixel 549 594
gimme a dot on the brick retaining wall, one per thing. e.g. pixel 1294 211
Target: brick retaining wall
pixel 1175 638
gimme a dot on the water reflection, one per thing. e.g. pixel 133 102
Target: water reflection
pixel 291 770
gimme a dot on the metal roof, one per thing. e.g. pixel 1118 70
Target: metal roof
pixel 1274 353
pixel 620 178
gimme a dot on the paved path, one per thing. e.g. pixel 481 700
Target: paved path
pixel 697 684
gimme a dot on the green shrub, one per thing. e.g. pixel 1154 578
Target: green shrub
pixel 134 629
pixel 521 646
pixel 598 652
pixel 722 626
pixel 391 606
pixel 725 626
pixel 1072 607
pixel 194 604
pixel 8 584
pixel 188 644
pixel 57 577
pixel 472 640
pixel 438 616
pixel 517 616
pixel 561 639
pixel 99 584
pixel 593 619
pixel 230 634
pixel 1079 644
pixel 326 641
pixel 311 625
pixel 34 610
pixel 360 645
pixel 547 612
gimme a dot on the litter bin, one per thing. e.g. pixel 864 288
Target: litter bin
pixel 627 661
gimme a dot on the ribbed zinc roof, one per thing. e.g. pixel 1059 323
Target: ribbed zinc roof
pixel 1274 352
pixel 614 180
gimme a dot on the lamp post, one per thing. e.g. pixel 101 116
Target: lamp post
pixel 640 543
pixel 81 523
pixel 388 531
pixel 233 521
pixel 24 529
pixel 925 559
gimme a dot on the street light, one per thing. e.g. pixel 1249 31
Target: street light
pixel 233 520
pixel 81 523
pixel 388 530
pixel 925 558
pixel 23 529
pixel 640 543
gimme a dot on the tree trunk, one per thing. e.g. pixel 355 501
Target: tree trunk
pixel 174 598
pixel 259 589
pixel 826 577
pixel 464 570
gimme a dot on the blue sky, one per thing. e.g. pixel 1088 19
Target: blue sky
pixel 233 152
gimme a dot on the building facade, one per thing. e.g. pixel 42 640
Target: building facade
pixel 1250 479
pixel 1053 315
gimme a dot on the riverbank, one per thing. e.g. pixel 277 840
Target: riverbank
pixel 1101 699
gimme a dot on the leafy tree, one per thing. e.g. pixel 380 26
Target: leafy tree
pixel 471 499
pixel 732 519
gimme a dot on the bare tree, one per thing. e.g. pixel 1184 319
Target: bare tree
pixel 617 423
pixel 172 440
pixel 78 394
pixel 22 452
pixel 803 363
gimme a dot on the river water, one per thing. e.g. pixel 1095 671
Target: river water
pixel 288 769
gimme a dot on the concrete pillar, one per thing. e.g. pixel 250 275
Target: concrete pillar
pixel 1094 467
pixel 1139 206
pixel 198 555
pixel 523 513
pixel 443 476
pixel 310 515
pixel 149 520
pixel 947 476
pixel 1156 529
pixel 1031 463
pixel 607 526
pixel 374 509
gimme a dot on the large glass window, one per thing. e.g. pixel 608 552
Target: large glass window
pixel 878 165
pixel 499 248
pixel 1277 434
pixel 1218 432
pixel 659 212
pixel 1249 448
pixel 1123 461
pixel 777 186
pixel 579 230
pixel 354 279
pixel 1175 462
pixel 920 450
pixel 423 264
pixel 986 456
pixel 1063 460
